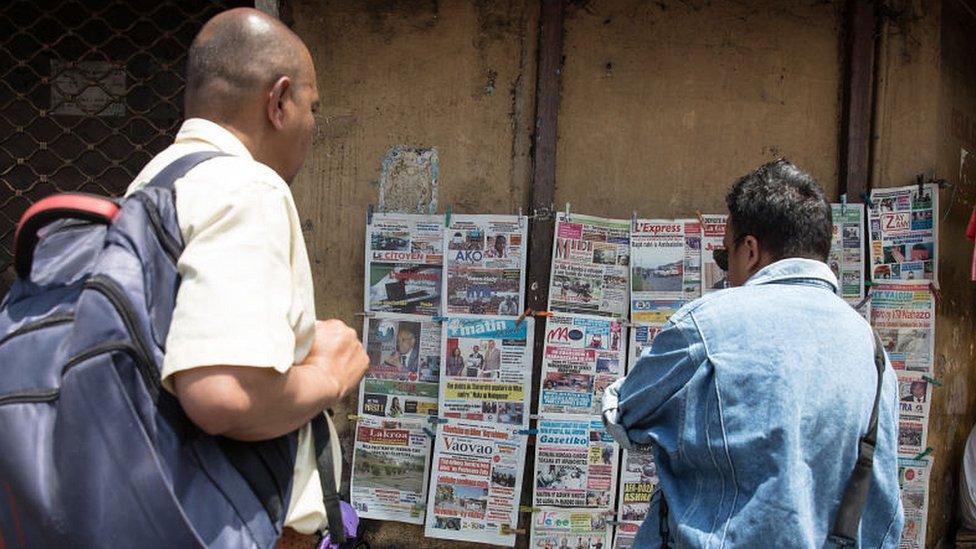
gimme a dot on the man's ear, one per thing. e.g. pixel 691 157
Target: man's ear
pixel 755 252
pixel 276 101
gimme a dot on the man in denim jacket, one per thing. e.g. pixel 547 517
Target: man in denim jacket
pixel 754 398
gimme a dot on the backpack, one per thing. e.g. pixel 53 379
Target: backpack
pixel 94 451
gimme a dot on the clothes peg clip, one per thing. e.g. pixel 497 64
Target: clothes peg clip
pixel 568 218
pixel 353 418
pixel 521 220
pixel 867 199
pixel 543 314
pixel 701 219
pixel 436 420
pixel 521 317
pixel 429 433
pixel 366 314
pixel 447 216
pixel 369 214
pixel 528 509
pixel 920 180
pixel 633 221
pixel 843 204
pixel 936 292
pixel 438 318
pixel 925 453
pixel 527 432
pixel 507 530
pixel 932 380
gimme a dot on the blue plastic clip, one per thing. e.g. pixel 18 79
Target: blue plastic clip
pixel 435 419
pixel 867 199
pixel 843 204
pixel 437 318
pixel 447 216
pixel 527 431
pixel 369 214
pixel 429 433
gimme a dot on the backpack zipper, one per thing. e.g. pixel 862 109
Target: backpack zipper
pixel 169 244
pixel 116 296
pixel 26 397
pixel 43 323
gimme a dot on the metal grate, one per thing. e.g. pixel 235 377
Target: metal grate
pixel 89 92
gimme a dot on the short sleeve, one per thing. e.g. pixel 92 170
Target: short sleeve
pixel 236 291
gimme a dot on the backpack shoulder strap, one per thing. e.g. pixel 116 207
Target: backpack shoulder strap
pixel 179 167
pixel 321 434
pixel 844 532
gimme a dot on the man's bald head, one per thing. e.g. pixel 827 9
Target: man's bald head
pixel 237 55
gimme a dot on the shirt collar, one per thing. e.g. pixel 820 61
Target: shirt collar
pixel 794 269
pixel 199 129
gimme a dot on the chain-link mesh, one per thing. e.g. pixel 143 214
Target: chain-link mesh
pixel 89 92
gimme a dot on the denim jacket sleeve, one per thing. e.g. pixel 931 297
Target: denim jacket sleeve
pixel 646 397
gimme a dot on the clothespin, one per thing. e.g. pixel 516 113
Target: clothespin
pixel 369 214
pixel 416 509
pixel 568 218
pixel 528 509
pixel 366 314
pixel 527 432
pixel 932 380
pixel 508 530
pixel 447 215
pixel 533 416
pixel 543 314
pixel 521 220
pixel 925 453
pixel 633 221
pixel 521 317
pixel 701 219
pixel 353 418
pixel 936 292
pixel 436 420
pixel 868 283
pixel 867 199
pixel 843 204
pixel 863 302
pixel 920 180
pixel 438 318
pixel 429 433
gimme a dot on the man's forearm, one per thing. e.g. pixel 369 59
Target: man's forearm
pixel 247 403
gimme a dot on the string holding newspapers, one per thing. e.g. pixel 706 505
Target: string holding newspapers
pixel 445 417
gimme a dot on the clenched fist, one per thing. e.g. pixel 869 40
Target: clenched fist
pixel 337 350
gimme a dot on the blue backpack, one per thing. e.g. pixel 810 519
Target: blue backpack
pixel 93 452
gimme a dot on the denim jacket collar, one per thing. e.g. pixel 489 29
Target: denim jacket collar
pixel 795 270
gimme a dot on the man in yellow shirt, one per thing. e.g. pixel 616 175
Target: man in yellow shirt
pixel 245 355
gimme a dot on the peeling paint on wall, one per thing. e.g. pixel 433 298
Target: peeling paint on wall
pixel 408 180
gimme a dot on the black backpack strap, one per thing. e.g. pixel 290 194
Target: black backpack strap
pixel 848 519
pixel 179 167
pixel 322 437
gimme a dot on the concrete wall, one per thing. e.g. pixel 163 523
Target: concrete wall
pixel 663 105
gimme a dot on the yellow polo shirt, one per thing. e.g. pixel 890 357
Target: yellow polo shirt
pixel 246 295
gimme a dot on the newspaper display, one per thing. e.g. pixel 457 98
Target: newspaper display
pixel 713 235
pixel 665 267
pixel 485 265
pixel 404 263
pixel 590 266
pixel 575 464
pixel 582 356
pixel 641 338
pixel 486 369
pixel 390 469
pixel 904 233
pixel 476 483
pixel 904 316
pixel 638 480
pixel 913 479
pixel 846 257
pixel 404 366
pixel 554 528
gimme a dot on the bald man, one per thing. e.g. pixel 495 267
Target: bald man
pixel 245 355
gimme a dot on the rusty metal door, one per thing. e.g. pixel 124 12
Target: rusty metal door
pixel 89 92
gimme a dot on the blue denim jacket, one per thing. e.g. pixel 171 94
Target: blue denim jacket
pixel 754 400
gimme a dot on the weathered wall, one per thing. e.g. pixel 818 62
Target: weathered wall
pixel 455 75
pixel 664 104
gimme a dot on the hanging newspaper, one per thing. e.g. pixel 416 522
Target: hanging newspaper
pixel 476 483
pixel 713 234
pixel 638 480
pixel 390 468
pixel 486 369
pixel 554 528
pixel 846 258
pixel 665 267
pixel 913 434
pixel 641 337
pixel 404 366
pixel 582 357
pixel 403 263
pixel 914 395
pixel 904 233
pixel 590 266
pixel 484 265
pixel 913 477
pixel 904 315
pixel 575 464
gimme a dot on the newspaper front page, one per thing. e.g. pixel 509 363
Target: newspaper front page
pixel 713 233
pixel 575 464
pixel 638 480
pixel 404 261
pixel 484 265
pixel 904 316
pixel 590 266
pixel 582 356
pixel 390 469
pixel 476 483
pixel 913 476
pixel 665 267
pixel 904 232
pixel 641 338
pixel 554 528
pixel 846 258
pixel 404 366
pixel 486 369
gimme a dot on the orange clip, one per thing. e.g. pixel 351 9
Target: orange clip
pixel 936 292
pixel 521 317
